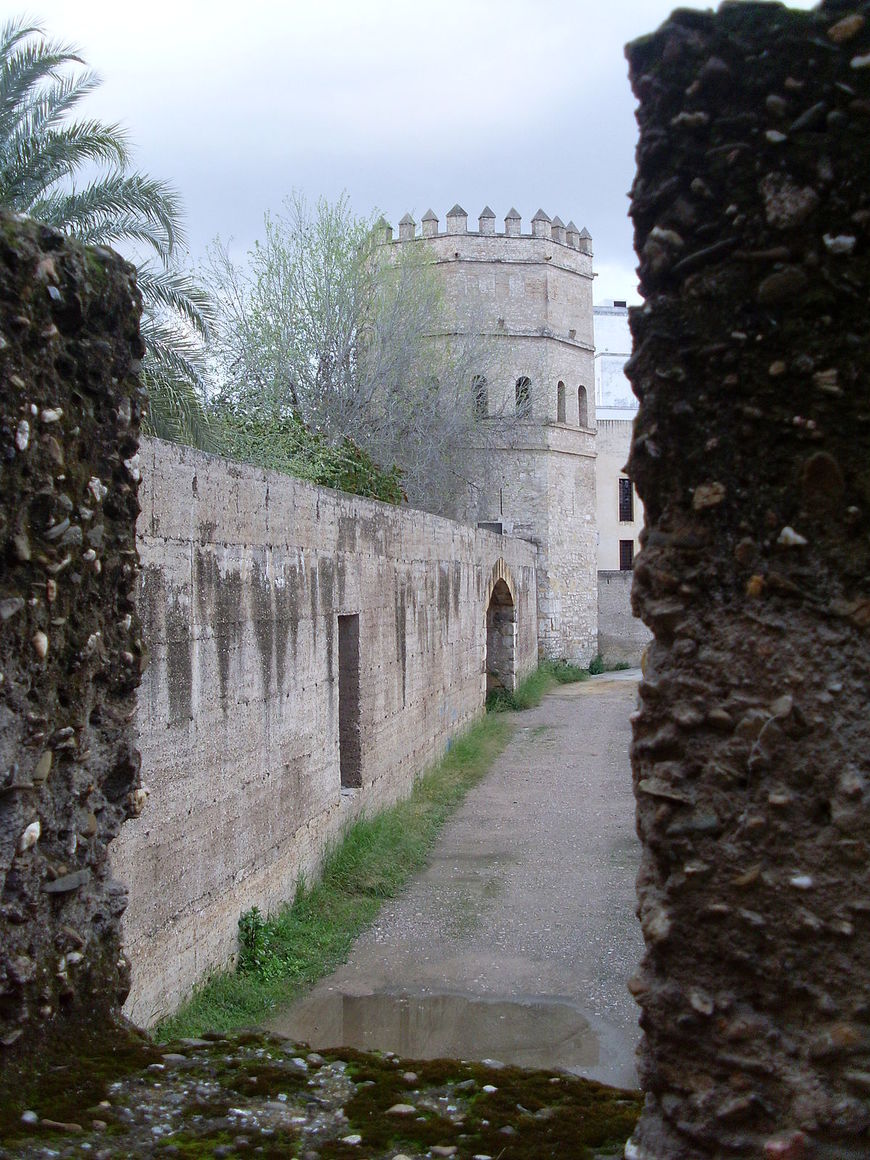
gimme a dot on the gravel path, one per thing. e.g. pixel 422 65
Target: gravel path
pixel 517 940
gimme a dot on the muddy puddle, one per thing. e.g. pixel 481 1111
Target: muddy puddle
pixel 528 1033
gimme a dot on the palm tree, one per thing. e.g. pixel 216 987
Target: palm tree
pixel 42 152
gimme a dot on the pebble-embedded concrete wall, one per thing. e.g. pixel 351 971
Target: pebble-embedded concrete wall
pixel 752 457
pixel 245 574
pixel 70 651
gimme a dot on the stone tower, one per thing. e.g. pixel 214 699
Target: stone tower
pixel 529 296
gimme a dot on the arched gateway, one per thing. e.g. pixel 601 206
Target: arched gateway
pixel 501 632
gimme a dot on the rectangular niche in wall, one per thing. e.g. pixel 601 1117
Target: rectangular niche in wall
pixel 350 761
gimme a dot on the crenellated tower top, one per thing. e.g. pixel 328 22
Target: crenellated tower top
pixel 542 227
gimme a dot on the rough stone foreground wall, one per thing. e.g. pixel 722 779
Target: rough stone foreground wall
pixel 244 576
pixel 622 637
pixel 752 456
pixel 69 636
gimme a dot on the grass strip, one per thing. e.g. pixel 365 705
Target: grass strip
pixel 529 692
pixel 284 955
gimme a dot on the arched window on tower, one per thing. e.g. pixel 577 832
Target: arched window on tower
pixel 560 403
pixel 524 396
pixel 582 407
pixel 480 396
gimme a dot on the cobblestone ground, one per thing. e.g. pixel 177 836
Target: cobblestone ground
pixel 517 941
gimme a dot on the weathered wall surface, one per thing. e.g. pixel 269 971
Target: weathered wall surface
pixel 245 575
pixel 69 640
pixel 612 352
pixel 752 456
pixel 533 298
pixel 621 635
pixel 542 490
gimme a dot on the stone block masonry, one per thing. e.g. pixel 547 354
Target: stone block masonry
pixel 70 651
pixel 527 300
pixel 622 637
pixel 752 217
pixel 310 653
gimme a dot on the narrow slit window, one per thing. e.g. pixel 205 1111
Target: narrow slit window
pixel 480 396
pixel 560 403
pixel 626 555
pixel 524 396
pixel 582 407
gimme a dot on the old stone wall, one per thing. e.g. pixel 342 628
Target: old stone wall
pixel 622 636
pixel 70 650
pixel 752 457
pixel 310 653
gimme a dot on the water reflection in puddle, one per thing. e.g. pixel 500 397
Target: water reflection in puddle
pixel 551 1035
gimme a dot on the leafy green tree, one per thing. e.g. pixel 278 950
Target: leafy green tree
pixel 325 326
pixel 284 443
pixel 42 153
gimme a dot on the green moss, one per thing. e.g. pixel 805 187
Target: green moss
pixel 69 1073
pixel 262 1078
pixel 544 1115
pixel 279 1146
pixel 97 273
pixel 530 1113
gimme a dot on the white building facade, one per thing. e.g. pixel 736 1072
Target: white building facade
pixel 619 513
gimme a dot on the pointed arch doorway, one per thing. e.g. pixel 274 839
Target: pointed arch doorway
pixel 501 639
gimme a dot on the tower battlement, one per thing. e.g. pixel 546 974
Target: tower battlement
pixel 542 226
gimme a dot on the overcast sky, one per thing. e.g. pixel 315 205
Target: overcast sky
pixel 405 106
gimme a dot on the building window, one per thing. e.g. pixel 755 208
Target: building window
pixel 480 396
pixel 626 501
pixel 582 407
pixel 524 396
pixel 560 404
pixel 626 555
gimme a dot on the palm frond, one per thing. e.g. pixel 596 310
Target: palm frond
pixel 171 342
pixel 25 64
pixel 180 293
pixel 175 411
pixel 115 208
pixel 46 107
pixel 33 163
pixel 174 375
pixel 42 151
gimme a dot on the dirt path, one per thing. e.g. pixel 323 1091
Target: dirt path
pixel 517 940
